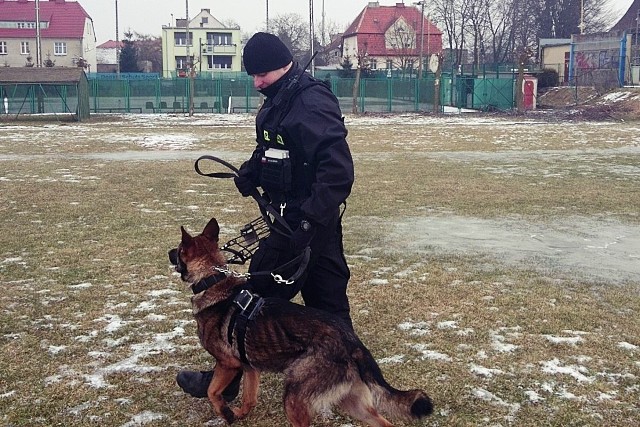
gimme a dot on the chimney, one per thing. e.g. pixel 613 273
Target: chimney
pixel 399 4
pixel 373 4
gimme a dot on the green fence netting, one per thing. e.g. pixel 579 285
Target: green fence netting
pixel 237 95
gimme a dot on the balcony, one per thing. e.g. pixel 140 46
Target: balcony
pixel 219 49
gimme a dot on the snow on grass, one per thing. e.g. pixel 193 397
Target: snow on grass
pixel 563 340
pixel 484 372
pixel 143 418
pixel 554 366
pixel 428 354
pixel 627 346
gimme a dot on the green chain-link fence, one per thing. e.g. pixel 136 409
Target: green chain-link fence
pixel 132 94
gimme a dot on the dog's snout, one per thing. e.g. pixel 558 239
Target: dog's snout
pixel 173 256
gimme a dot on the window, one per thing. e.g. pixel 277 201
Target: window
pixel 25 24
pixel 24 48
pixel 180 39
pixel 389 64
pixel 3 48
pixel 181 62
pixel 220 62
pixel 60 48
pixel 373 64
pixel 219 39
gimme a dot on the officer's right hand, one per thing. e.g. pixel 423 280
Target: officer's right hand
pixel 245 185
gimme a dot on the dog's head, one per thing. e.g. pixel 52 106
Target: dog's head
pixel 196 256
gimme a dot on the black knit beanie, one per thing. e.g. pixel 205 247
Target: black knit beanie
pixel 265 52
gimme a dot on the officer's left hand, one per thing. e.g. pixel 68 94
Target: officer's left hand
pixel 302 236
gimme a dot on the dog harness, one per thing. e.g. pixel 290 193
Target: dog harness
pixel 247 307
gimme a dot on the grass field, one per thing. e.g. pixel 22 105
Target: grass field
pixel 495 264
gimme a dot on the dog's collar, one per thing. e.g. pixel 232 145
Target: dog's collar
pixel 207 283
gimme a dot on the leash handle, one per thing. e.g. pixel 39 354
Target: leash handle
pixel 269 213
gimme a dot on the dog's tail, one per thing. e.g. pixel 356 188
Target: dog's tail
pixel 397 404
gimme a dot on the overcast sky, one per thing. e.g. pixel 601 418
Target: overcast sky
pixel 148 16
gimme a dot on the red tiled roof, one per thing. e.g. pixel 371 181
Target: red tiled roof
pixel 372 23
pixel 66 18
pixel 110 44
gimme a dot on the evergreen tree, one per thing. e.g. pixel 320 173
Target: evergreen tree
pixel 129 55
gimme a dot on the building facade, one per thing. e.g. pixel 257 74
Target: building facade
pixel 66 34
pixel 210 46
pixel 389 37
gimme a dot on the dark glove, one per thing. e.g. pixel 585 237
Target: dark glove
pixel 245 185
pixel 302 236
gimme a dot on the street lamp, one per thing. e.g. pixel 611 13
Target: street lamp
pixel 421 4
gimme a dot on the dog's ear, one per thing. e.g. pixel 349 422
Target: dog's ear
pixel 212 230
pixel 186 237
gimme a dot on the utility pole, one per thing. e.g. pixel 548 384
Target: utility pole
pixel 324 44
pixel 117 44
pixel 312 37
pixel 582 24
pixel 189 66
pixel 267 21
pixel 421 4
pixel 38 41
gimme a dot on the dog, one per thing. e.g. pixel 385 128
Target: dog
pixel 325 365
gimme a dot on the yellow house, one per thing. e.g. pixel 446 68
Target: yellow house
pixel 210 46
pixel 555 55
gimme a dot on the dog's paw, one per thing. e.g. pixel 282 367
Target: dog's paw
pixel 240 412
pixel 228 414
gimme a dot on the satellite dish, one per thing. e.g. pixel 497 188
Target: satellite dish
pixel 433 63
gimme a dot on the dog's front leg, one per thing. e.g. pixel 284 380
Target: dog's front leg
pixel 222 377
pixel 251 383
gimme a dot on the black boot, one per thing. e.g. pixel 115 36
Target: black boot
pixel 196 384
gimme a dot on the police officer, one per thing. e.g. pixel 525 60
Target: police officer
pixel 303 165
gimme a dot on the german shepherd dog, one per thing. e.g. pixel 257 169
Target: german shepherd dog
pixel 324 363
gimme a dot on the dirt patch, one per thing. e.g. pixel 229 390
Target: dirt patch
pixel 563 97
pixel 585 103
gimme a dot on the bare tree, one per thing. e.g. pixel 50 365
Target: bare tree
pixel 149 48
pixel 401 39
pixel 293 30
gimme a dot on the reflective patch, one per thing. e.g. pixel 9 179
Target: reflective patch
pixel 265 135
pixel 279 139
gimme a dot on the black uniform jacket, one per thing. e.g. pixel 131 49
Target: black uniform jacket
pixel 309 124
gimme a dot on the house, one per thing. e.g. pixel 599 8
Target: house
pixel 107 56
pixel 388 37
pixel 66 34
pixel 210 46
pixel 554 54
pixel 630 23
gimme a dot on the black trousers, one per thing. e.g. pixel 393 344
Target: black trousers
pixel 324 283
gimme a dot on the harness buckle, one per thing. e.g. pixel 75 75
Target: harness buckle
pixel 243 299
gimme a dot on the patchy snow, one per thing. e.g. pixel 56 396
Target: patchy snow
pixel 627 346
pixel 143 418
pixel 554 366
pixel 563 340
pixel 484 372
